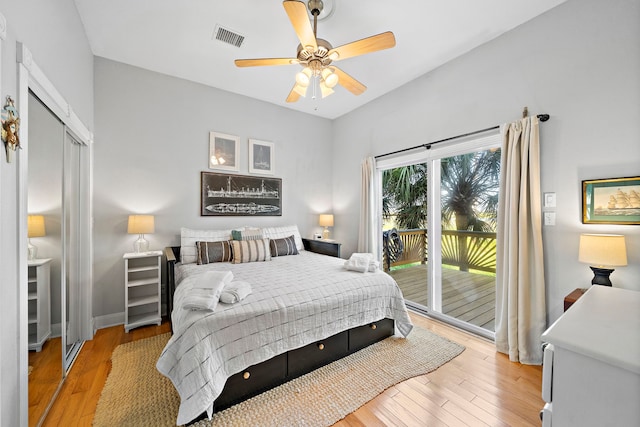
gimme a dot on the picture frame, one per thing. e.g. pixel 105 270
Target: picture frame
pixel 224 194
pixel 224 151
pixel 261 157
pixel 611 201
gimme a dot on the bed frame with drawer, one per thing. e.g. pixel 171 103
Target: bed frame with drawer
pixel 292 364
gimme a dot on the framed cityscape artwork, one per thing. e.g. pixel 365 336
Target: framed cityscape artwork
pixel 239 195
pixel 611 201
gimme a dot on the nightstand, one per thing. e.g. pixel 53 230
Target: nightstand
pixel 573 297
pixel 322 246
pixel 142 289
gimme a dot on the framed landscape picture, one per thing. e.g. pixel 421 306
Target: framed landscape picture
pixel 239 195
pixel 224 151
pixel 261 157
pixel 611 201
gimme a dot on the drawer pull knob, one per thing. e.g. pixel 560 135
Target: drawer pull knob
pixel 373 326
pixel 246 375
pixel 321 346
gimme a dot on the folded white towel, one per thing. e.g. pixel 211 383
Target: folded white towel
pixel 212 279
pixel 235 291
pixel 359 262
pixel 204 294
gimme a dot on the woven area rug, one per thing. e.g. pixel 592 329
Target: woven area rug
pixel 136 394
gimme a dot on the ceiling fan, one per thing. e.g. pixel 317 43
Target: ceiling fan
pixel 317 55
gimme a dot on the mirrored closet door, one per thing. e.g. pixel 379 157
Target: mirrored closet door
pixel 46 236
pixel 54 195
pixel 72 208
pixel 55 189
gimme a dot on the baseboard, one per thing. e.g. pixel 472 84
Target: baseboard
pixel 56 329
pixel 114 319
pixel 108 320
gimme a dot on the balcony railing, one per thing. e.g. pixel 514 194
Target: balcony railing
pixel 463 249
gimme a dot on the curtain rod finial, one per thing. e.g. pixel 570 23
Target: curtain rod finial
pixel 543 117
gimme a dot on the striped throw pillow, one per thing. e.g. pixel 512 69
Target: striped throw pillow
pixel 209 252
pixel 250 251
pixel 282 247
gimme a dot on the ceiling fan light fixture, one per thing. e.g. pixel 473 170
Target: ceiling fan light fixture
pixel 300 90
pixel 325 90
pixel 330 78
pixel 303 77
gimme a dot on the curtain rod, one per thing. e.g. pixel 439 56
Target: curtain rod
pixel 541 117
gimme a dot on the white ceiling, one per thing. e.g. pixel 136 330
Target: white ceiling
pixel 176 38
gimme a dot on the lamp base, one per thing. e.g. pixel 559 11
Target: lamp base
pixel 141 245
pixel 32 251
pixel 601 276
pixel 325 233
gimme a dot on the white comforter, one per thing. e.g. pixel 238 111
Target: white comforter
pixel 296 300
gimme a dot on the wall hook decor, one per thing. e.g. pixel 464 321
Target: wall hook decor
pixel 10 128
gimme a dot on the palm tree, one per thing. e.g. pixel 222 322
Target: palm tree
pixel 469 185
pixel 404 194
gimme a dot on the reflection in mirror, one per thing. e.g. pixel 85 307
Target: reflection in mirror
pixel 46 137
pixel 72 217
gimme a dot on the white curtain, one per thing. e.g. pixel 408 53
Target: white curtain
pixel 370 230
pixel 520 287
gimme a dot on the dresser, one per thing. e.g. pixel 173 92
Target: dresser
pixel 39 304
pixel 591 371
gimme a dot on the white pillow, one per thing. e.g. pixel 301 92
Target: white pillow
pixel 189 237
pixel 282 232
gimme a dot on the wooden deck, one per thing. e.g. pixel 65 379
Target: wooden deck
pixel 466 296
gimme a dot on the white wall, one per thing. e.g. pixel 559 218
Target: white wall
pixel 152 142
pixel 579 63
pixel 54 34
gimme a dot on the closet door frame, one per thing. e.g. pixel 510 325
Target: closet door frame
pixel 31 77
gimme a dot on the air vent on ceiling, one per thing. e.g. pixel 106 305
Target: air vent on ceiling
pixel 227 36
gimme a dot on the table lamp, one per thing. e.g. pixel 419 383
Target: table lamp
pixel 601 252
pixel 326 221
pixel 35 228
pixel 141 225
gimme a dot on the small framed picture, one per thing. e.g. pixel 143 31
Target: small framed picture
pixel 611 201
pixel 224 151
pixel 261 157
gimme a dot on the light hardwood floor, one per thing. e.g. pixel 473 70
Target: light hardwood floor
pixel 479 387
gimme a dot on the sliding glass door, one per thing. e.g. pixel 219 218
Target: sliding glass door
pixel 439 210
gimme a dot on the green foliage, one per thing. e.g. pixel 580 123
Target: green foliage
pixel 404 194
pixel 469 192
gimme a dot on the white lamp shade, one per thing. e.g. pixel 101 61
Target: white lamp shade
pixel 326 220
pixel 603 250
pixel 141 224
pixel 35 226
pixel 330 78
pixel 325 90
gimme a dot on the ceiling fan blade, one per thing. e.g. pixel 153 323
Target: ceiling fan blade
pixel 367 45
pixel 348 82
pixel 294 95
pixel 297 12
pixel 258 62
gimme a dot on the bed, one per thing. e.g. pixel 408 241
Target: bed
pixel 304 311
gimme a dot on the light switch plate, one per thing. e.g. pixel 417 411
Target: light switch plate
pixel 549 200
pixel 549 218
